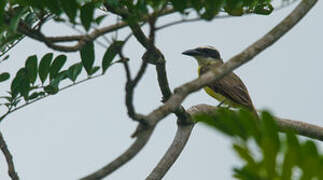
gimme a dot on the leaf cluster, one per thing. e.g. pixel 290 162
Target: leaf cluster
pixel 206 9
pixel 50 72
pixel 266 153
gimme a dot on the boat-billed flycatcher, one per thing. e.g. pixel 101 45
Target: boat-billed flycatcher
pixel 230 89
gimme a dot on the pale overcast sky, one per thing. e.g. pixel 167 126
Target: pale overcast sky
pixel 81 129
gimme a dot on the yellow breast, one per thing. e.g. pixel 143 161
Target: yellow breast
pixel 218 96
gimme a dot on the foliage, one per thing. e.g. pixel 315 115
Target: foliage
pixel 267 154
pixel 50 73
pixel 81 12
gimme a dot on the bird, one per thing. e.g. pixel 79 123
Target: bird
pixel 230 89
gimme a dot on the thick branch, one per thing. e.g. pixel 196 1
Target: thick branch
pixel 131 152
pixel 182 135
pixel 271 37
pixel 11 168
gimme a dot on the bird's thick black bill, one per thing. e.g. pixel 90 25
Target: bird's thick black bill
pixel 191 52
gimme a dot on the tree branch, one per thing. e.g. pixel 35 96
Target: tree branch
pixel 131 152
pixel 182 135
pixel 11 168
pixel 300 128
pixel 152 56
pixel 130 87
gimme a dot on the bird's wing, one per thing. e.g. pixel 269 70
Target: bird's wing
pixel 231 87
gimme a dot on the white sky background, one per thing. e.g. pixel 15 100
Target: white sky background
pixel 83 128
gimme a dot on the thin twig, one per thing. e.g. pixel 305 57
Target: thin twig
pixel 140 73
pixel 130 87
pixel 11 168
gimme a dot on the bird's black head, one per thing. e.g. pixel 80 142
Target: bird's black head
pixel 207 51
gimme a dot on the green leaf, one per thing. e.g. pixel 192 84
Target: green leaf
pixel 56 66
pixel 250 124
pixel 14 88
pixel 74 71
pixel 110 54
pixel 50 89
pixel 70 8
pixel 16 19
pixel 310 164
pixel 287 166
pixel 53 88
pixel 53 6
pixel 20 84
pixel 179 5
pixel 44 66
pixel 246 174
pixel 223 120
pixel 87 11
pixel 94 70
pixel 60 77
pixel 4 76
pixel 270 143
pixel 244 154
pixel 113 3
pixel 35 95
pixel 87 57
pixel 31 67
pixel 99 19
pixel 264 9
pixel 270 129
pixel 2 9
